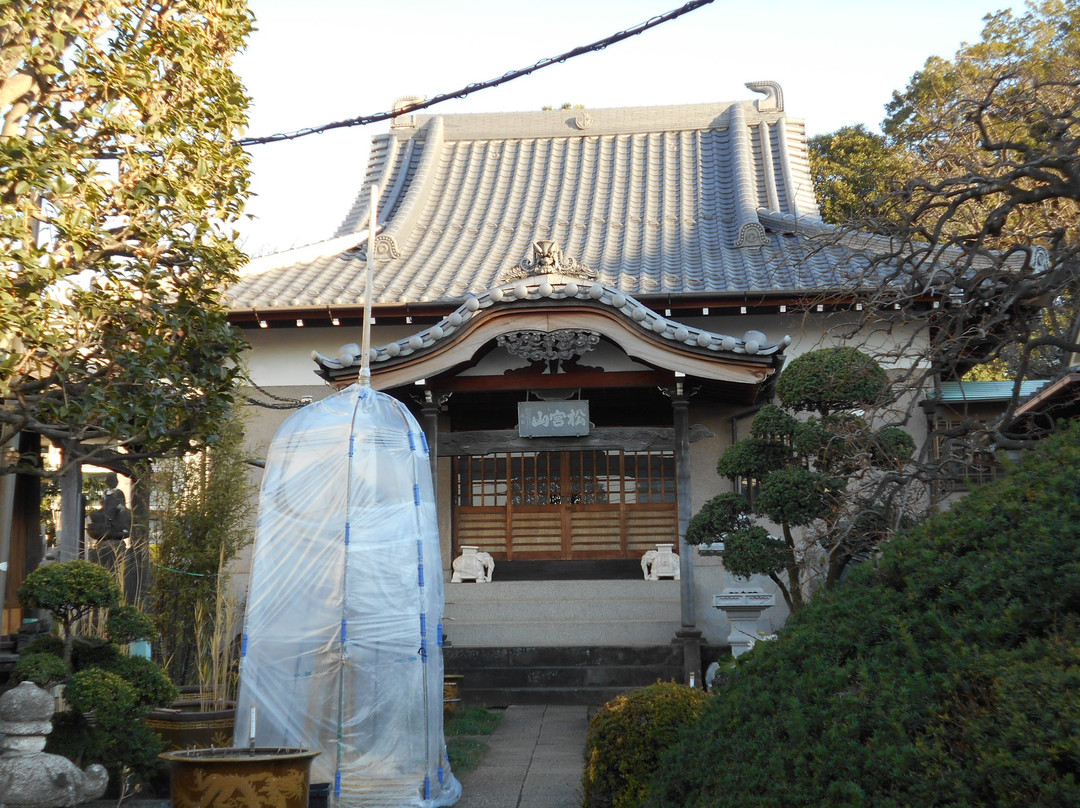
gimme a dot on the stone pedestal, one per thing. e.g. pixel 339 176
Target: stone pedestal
pixel 32 778
pixel 743 606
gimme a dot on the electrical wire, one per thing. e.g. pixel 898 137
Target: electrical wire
pixel 363 120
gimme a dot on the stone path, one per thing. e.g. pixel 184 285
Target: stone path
pixel 534 760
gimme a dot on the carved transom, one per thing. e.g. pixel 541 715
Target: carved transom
pixel 547 258
pixel 537 346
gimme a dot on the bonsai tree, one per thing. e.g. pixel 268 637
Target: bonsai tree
pixel 101 680
pixel 69 592
pixel 812 477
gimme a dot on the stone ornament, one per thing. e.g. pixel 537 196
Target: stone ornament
pixel 547 259
pixel 538 346
pixel 743 605
pixel 29 777
pixel 660 563
pixel 472 565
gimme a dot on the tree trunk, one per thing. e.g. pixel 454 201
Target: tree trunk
pixel 136 581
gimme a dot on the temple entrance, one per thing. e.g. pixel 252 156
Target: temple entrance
pixel 565 505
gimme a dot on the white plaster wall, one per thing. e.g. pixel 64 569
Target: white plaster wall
pixel 280 361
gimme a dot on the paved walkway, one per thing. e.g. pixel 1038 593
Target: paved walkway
pixel 535 759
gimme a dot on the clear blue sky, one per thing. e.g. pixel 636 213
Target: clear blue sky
pixel 316 61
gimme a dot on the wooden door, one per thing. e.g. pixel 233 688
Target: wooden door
pixel 581 504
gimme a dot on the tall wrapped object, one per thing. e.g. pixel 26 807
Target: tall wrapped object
pixel 342 645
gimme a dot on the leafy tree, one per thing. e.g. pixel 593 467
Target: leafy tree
pixel 120 181
pixel 990 222
pixel 855 172
pixel 824 472
pixel 943 673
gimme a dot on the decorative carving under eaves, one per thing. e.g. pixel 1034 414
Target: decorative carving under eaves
pixel 540 346
pixel 547 258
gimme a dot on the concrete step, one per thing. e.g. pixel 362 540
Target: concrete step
pixel 566 675
pixel 559 613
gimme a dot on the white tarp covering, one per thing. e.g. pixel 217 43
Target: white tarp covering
pixel 343 631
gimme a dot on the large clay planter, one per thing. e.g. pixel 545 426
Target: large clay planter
pixel 451 694
pixel 184 726
pixel 240 778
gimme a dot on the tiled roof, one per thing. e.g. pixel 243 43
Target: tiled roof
pixel 558 288
pixel 684 200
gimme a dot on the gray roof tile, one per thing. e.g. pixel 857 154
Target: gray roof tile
pixel 654 199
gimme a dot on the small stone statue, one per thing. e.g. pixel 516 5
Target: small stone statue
pixel 113 519
pixel 473 566
pixel 29 777
pixel 660 563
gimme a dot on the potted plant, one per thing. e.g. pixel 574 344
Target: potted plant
pixel 106 693
pixel 207 719
pixel 203 505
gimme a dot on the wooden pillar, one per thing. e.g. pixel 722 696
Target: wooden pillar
pixel 25 550
pixel 69 535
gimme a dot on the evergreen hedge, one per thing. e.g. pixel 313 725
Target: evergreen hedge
pixel 946 673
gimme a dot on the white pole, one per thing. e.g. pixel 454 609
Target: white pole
pixel 365 341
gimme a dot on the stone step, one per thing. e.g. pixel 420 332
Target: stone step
pixel 556 613
pixel 566 675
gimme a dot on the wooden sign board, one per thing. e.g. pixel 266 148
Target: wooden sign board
pixel 549 419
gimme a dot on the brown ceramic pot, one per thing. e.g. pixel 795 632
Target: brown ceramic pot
pixel 240 778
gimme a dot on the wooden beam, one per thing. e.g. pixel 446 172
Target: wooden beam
pixel 586 379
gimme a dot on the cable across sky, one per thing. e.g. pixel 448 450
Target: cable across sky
pixel 598 45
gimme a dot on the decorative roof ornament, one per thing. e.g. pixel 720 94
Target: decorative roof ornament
pixel 752 234
pixel 583 121
pixel 774 96
pixel 386 248
pixel 405 120
pixel 547 259
pixel 537 346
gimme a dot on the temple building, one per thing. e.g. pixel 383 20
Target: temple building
pixel 583 308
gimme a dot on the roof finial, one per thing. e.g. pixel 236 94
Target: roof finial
pixel 774 96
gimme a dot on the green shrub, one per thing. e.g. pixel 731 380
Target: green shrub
pixel 831 379
pixel 103 693
pixel 152 686
pixel 92 652
pixel 626 737
pixel 127 624
pixel 41 668
pixel 49 644
pixel 945 673
pixel 117 737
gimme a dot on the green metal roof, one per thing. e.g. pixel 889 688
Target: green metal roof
pixel 986 391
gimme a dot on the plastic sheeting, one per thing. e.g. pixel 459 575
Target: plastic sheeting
pixel 342 644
